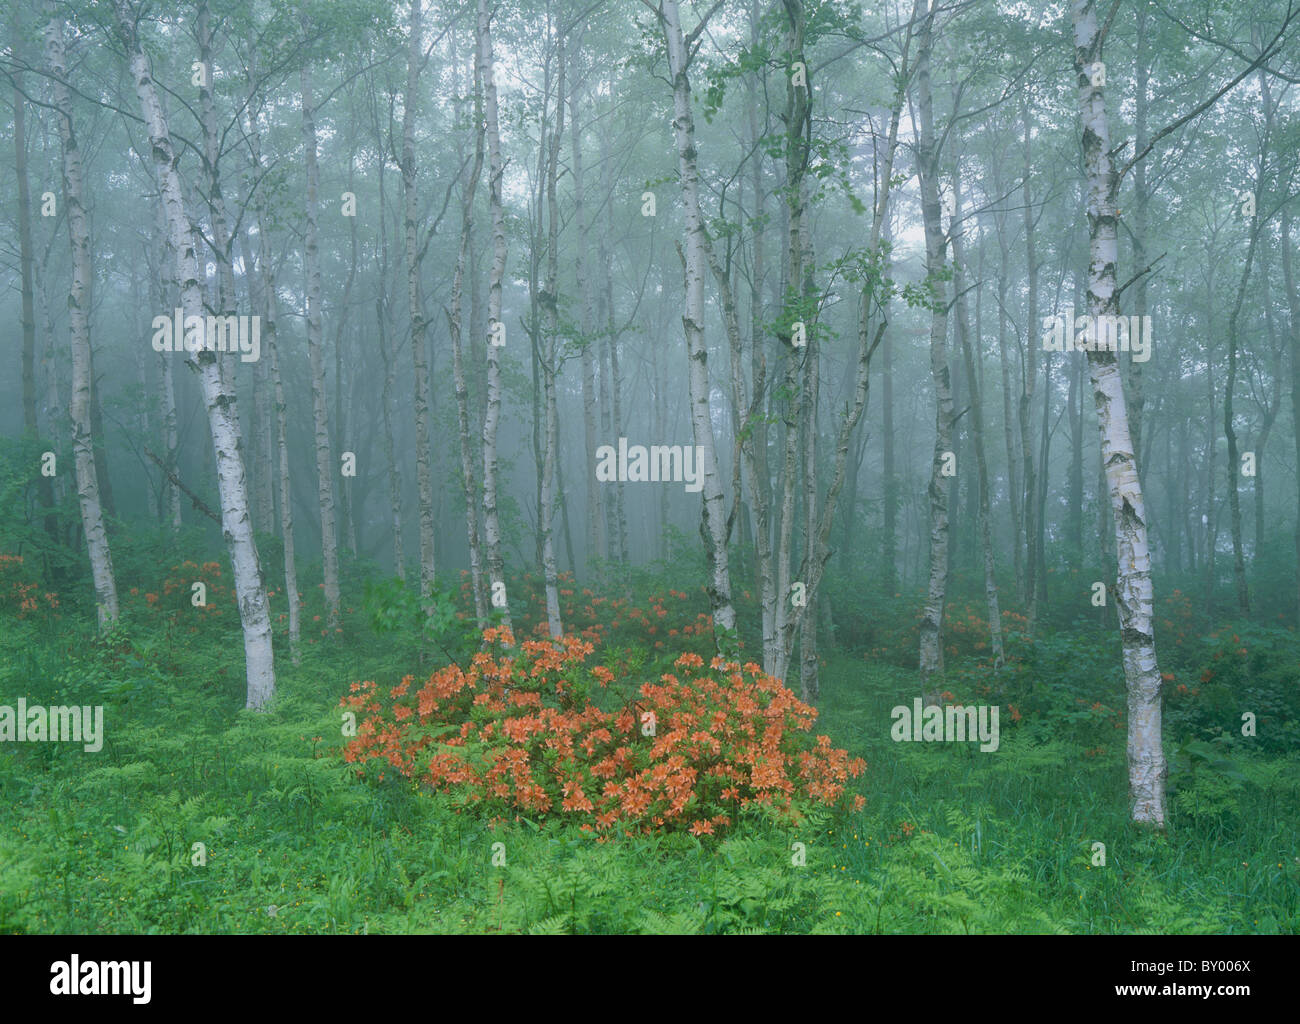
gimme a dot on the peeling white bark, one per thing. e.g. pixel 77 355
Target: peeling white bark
pixel 1133 589
pixel 714 527
pixel 237 528
pixel 492 416
pixel 83 447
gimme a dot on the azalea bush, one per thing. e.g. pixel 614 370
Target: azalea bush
pixel 21 593
pixel 518 731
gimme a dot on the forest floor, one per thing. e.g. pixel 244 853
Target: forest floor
pixel 950 839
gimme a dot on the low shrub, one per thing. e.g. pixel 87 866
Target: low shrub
pixel 517 732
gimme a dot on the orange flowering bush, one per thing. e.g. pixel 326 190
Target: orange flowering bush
pixel 516 731
pixel 19 592
pixel 174 598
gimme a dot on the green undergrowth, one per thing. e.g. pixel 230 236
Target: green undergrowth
pixel 951 839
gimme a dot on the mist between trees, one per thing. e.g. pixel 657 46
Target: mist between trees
pixel 836 311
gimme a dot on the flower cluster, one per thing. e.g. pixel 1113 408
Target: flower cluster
pixel 517 732
pixel 19 594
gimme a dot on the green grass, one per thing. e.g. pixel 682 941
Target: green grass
pixel 951 840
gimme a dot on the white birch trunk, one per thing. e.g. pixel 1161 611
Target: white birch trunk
pixel 1133 590
pixel 92 516
pixel 236 525
pixel 415 305
pixel 469 475
pixel 315 348
pixel 596 540
pixel 492 416
pixel 550 358
pixel 968 342
pixel 714 527
pixel 167 382
pixel 270 308
pixel 383 323
pixel 931 652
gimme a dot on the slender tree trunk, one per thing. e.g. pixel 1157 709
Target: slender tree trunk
pixel 271 316
pixel 1293 307
pixel 387 399
pixel 92 516
pixel 1141 204
pixel 237 527
pixel 44 487
pixel 931 658
pixel 263 415
pixel 166 381
pixel 415 306
pixel 977 428
pixel 469 475
pixel 315 347
pixel 714 527
pixel 550 360
pixel 612 393
pixel 491 521
pixel 1229 431
pixel 1133 593
pixel 341 426
pixel 1030 497
pixel 1008 415
pixel 596 542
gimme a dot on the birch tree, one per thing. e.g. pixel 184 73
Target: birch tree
pixel 936 246
pixel 316 353
pixel 223 422
pixel 496 328
pixel 681 50
pixel 92 516
pixel 1133 591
